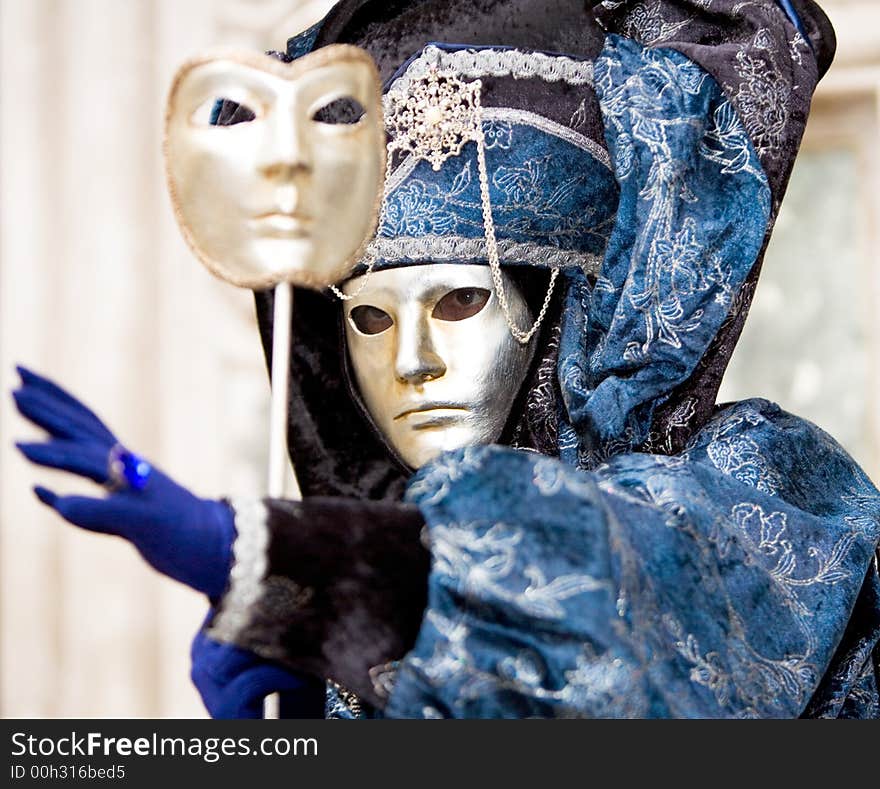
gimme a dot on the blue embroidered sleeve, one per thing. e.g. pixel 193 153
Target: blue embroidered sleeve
pixel 718 583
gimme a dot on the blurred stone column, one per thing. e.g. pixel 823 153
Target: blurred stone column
pixel 98 291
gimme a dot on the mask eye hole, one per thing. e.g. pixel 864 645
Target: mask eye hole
pixel 344 112
pixel 222 112
pixel 370 320
pixel 460 304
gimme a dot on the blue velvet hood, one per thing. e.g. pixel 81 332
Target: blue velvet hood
pixel 654 554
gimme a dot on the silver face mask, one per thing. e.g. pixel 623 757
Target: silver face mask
pixel 288 195
pixel 433 356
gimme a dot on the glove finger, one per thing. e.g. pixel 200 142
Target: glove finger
pixel 76 413
pixel 37 382
pixel 59 419
pixel 96 515
pixel 84 459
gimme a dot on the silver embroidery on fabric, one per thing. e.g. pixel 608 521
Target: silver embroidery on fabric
pixel 483 564
pixel 248 570
pixel 525 118
pixel 763 96
pixel 678 251
pixel 645 23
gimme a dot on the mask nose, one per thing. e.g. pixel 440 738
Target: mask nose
pixel 417 360
pixel 284 151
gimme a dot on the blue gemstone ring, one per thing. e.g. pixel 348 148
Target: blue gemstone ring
pixel 125 470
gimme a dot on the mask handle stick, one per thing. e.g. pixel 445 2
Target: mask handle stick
pixel 278 456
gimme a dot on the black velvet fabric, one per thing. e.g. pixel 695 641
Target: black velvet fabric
pixel 359 593
pixel 393 31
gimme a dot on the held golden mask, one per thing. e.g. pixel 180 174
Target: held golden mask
pixel 288 195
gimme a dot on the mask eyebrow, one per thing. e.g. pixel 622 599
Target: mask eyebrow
pixel 369 297
pixel 434 291
pixel 242 87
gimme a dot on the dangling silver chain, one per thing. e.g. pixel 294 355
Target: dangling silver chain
pixel 521 336
pixel 370 256
pixel 433 121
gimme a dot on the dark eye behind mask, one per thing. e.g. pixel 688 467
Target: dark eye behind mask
pixel 462 303
pixel 370 320
pixel 345 111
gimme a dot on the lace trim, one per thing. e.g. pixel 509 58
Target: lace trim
pixel 457 248
pixel 472 64
pixel 248 570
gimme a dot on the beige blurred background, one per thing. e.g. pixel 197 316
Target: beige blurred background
pixel 98 290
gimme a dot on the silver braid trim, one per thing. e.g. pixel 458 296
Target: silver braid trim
pixel 413 249
pixel 250 551
pixel 473 64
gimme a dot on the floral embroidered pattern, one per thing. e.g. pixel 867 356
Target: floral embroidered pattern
pixel 645 23
pixel 480 563
pixel 666 290
pixel 763 95
pixel 557 209
pixel 499 134
pixel 708 670
pixel 675 269
pixel 727 143
pixel 740 457
pixel 680 418
pixel 432 486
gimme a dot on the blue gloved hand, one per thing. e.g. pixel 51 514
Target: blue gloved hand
pixel 180 535
pixel 233 682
